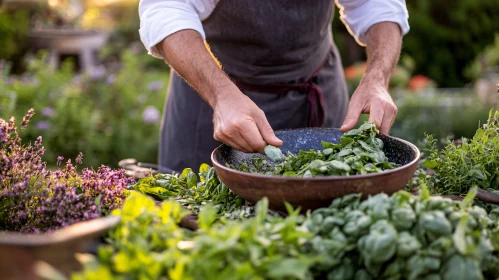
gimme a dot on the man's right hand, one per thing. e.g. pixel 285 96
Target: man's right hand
pixel 240 124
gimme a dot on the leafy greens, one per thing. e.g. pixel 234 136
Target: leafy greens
pixel 359 151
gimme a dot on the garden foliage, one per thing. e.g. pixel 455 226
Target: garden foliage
pixel 109 114
pixel 398 237
pixel 474 162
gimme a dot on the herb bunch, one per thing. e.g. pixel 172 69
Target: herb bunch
pixel 35 199
pixel 194 193
pixel 475 162
pixel 359 151
pixel 148 244
pixel 397 237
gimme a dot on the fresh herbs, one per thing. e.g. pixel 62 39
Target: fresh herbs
pixel 474 162
pixel 359 151
pixel 148 244
pixel 406 237
pixel 397 237
pixel 194 193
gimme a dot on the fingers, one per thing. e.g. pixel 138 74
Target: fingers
pixel 231 138
pixel 266 131
pixel 388 118
pixel 383 113
pixel 251 136
pixel 228 141
pixel 353 114
pixel 376 113
pixel 242 134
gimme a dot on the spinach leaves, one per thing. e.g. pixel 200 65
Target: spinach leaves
pixel 359 151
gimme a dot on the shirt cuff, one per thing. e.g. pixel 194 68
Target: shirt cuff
pixel 359 19
pixel 161 20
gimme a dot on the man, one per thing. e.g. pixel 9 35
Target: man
pixel 272 65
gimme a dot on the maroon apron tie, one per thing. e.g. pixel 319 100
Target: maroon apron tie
pixel 314 95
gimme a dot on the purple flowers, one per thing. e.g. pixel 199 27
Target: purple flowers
pixel 98 72
pixel 110 79
pixel 155 85
pixel 48 112
pixel 42 125
pixel 34 199
pixel 151 115
pixel 26 118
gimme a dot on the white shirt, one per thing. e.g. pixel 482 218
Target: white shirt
pixel 161 18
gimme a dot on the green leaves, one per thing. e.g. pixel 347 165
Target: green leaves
pixel 358 152
pixel 382 237
pixel 207 216
pixel 473 163
pixel 274 153
pixel 405 237
pixel 193 194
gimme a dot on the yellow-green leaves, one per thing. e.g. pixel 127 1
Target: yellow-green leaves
pixel 207 216
pixel 135 204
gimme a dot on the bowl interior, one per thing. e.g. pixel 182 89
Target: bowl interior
pixel 294 140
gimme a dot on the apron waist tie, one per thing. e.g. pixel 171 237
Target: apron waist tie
pixel 314 95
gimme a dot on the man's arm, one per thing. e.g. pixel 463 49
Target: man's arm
pixel 237 119
pixel 384 42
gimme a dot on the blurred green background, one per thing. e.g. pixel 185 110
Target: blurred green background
pixel 444 83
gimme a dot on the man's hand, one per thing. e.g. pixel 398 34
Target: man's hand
pixel 241 124
pixel 371 96
pixel 238 122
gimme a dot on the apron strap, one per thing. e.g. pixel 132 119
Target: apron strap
pixel 314 94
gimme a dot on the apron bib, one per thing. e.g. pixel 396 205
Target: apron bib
pixel 281 55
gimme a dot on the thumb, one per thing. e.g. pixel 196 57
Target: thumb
pixel 267 131
pixel 351 118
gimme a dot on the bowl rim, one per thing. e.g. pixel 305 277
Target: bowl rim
pixel 416 151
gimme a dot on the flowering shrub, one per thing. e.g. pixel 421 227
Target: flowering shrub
pixel 35 199
pixel 110 114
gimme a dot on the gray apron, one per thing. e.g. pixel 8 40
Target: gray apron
pixel 267 48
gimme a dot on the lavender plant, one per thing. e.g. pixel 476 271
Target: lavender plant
pixel 34 199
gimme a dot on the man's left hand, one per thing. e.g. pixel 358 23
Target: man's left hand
pixel 371 97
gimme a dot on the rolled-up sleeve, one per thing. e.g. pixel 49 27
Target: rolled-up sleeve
pixel 161 18
pixel 360 15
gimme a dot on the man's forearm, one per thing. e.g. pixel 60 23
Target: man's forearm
pixel 186 53
pixel 237 120
pixel 384 41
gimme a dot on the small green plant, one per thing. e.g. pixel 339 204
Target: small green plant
pixel 474 162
